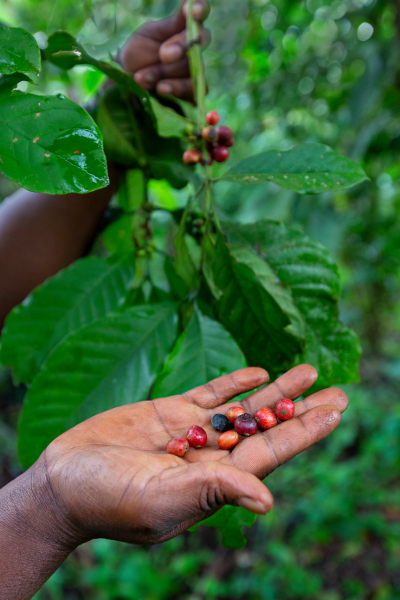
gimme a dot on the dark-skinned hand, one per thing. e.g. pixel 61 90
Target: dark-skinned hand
pixel 156 53
pixel 111 476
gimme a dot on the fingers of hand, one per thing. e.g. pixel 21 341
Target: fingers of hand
pixel 201 10
pixel 224 388
pixel 180 88
pixel 149 77
pixel 175 48
pixel 290 385
pixel 332 396
pixel 216 484
pixel 264 452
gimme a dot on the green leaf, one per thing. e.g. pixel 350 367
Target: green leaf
pixel 117 147
pixel 84 292
pixel 306 267
pixel 255 306
pixel 230 521
pixel 50 144
pixel 64 51
pixel 117 237
pixel 8 83
pixel 204 351
pixel 169 123
pixel 306 169
pixel 111 362
pixel 185 266
pixel 18 51
pixel 174 171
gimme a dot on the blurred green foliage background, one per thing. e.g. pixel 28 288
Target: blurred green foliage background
pixel 280 72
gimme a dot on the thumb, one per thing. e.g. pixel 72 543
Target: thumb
pixel 196 490
pixel 225 484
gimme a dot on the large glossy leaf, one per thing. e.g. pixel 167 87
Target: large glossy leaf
pixel 109 363
pixel 230 521
pixel 306 169
pixel 64 51
pixel 84 292
pixel 204 351
pixel 254 305
pixel 50 144
pixel 18 51
pixel 307 268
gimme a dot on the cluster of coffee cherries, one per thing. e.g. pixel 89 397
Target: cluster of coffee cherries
pixel 237 422
pixel 218 141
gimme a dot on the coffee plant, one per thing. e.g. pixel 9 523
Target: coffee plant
pixel 107 331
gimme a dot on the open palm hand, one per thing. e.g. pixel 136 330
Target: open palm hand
pixel 112 477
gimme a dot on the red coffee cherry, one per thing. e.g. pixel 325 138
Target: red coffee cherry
pixel 224 134
pixel 234 412
pixel 178 446
pixel 212 117
pixel 246 425
pixel 265 418
pixel 228 440
pixel 230 142
pixel 285 409
pixel 196 436
pixel 209 134
pixel 191 157
pixel 220 153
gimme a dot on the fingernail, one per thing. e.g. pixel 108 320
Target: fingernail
pixel 150 77
pixel 198 10
pixel 164 89
pixel 172 53
pixel 252 505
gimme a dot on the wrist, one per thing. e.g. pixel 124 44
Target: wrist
pixel 31 511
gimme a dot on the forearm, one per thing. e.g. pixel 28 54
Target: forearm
pixel 41 234
pixel 35 538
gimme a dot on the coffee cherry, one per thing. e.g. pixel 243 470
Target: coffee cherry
pixel 209 134
pixel 265 418
pixel 230 142
pixel 220 153
pixel 220 423
pixel 224 134
pixel 246 425
pixel 178 446
pixel 285 409
pixel 228 440
pixel 234 412
pixel 196 436
pixel 191 157
pixel 212 117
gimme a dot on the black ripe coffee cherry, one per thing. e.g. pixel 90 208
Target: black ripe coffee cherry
pixel 220 423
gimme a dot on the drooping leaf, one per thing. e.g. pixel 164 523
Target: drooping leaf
pixel 8 83
pixel 307 268
pixel 306 169
pixel 254 305
pixel 50 144
pixel 230 521
pixel 84 292
pixel 185 266
pixel 107 364
pixel 169 123
pixel 18 51
pixel 64 51
pixel 117 147
pixel 204 351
